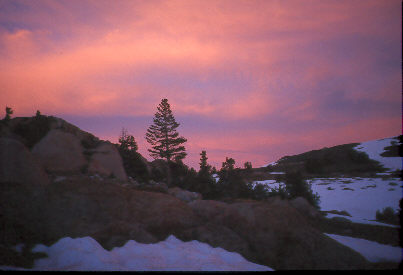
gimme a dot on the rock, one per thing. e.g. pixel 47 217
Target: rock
pixel 208 210
pixel 184 195
pixel 269 233
pixel 153 186
pixel 106 161
pixel 279 235
pixel 118 233
pixel 303 206
pixel 219 236
pixel 17 164
pixel 60 152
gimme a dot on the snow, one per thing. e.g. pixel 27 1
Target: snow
pixel 274 163
pixel 360 197
pixel 375 148
pixel 366 197
pixel 85 254
pixel 270 184
pixel 372 251
pixel 277 173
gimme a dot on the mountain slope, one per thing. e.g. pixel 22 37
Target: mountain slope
pixel 354 159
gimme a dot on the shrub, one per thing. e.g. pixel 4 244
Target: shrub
pixel 388 215
pixel 296 186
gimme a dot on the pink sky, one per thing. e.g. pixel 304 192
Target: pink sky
pixel 251 80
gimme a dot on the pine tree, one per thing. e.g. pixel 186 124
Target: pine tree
pixel 9 112
pixel 134 166
pixel 127 142
pixel 204 167
pixel 163 137
pixel 248 165
pixel 228 165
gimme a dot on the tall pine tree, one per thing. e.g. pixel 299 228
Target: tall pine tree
pixel 163 137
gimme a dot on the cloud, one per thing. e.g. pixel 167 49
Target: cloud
pixel 292 65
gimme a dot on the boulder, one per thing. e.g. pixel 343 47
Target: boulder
pixel 184 195
pixel 60 152
pixel 118 233
pixel 153 186
pixel 17 164
pixel 278 235
pixel 219 236
pixel 105 160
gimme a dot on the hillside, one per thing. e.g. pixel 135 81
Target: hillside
pixel 65 190
pixel 354 159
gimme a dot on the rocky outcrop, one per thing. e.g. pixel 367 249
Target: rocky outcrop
pixel 64 149
pixel 18 165
pixel 60 152
pixel 184 195
pixel 105 160
pixel 268 233
pixel 278 235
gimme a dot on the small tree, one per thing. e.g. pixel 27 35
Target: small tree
pixel 248 165
pixel 228 164
pixel 296 186
pixel 38 114
pixel 127 142
pixel 204 167
pixel 164 139
pixel 9 112
pixel 134 164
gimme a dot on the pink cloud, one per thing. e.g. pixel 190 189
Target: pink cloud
pixel 121 57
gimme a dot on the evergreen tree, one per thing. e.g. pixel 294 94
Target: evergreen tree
pixel 127 142
pixel 248 165
pixel 204 167
pixel 9 112
pixel 228 164
pixel 163 137
pixel 134 164
pixel 296 186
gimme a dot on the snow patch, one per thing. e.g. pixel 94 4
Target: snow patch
pixel 368 196
pixel 375 148
pixel 372 251
pixel 86 254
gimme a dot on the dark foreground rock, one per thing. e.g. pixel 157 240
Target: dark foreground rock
pixel 269 233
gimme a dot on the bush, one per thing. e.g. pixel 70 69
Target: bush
pixel 296 186
pixel 388 215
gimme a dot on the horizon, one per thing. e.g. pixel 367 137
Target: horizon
pixel 254 80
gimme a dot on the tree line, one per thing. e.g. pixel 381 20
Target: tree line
pixel 167 145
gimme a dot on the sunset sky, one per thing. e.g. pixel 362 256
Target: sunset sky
pixel 251 80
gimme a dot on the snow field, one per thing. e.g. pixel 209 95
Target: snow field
pixel 375 148
pixel 360 197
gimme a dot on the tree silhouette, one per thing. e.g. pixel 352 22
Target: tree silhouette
pixel 9 112
pixel 163 137
pixel 204 167
pixel 127 142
